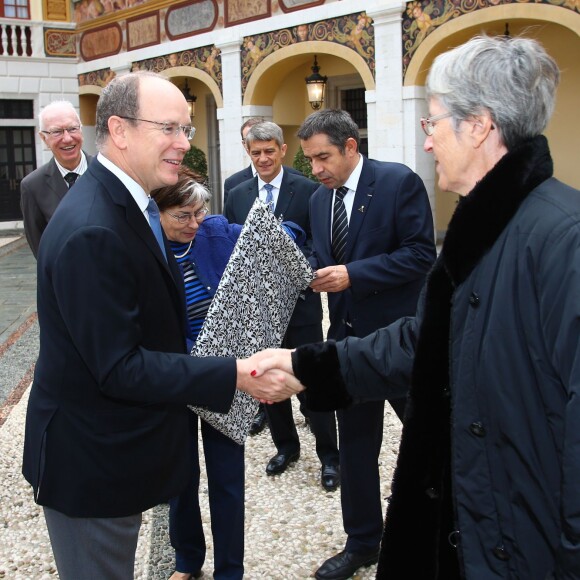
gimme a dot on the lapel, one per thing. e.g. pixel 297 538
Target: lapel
pixel 323 218
pixel 135 218
pixel 54 180
pixel 285 195
pixel 247 200
pixel 362 201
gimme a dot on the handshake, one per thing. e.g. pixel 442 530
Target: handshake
pixel 267 376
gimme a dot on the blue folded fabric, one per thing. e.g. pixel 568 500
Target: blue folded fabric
pixel 295 232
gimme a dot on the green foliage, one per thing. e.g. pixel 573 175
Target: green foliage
pixel 303 165
pixel 195 159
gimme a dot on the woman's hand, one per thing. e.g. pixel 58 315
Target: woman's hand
pixel 267 376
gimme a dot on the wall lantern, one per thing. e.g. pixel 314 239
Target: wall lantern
pixel 190 100
pixel 315 85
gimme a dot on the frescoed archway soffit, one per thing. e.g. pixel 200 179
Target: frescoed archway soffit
pixel 354 31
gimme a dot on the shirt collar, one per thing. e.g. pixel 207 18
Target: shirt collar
pixel 276 182
pixel 79 169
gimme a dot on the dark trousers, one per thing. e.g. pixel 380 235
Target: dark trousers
pixel 224 460
pixel 360 429
pixel 281 420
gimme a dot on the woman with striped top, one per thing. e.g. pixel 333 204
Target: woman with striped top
pixel 202 247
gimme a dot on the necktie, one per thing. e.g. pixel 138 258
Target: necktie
pixel 70 178
pixel 155 224
pixel 269 197
pixel 339 225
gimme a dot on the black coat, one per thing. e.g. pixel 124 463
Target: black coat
pixel 490 451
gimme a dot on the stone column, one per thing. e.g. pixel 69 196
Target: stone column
pixel 232 156
pixel 385 106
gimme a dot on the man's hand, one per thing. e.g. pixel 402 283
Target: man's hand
pixel 267 382
pixel 273 358
pixel 331 279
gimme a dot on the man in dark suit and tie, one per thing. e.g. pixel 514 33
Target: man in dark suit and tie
pixel 372 230
pixel 43 189
pixel 107 421
pixel 250 171
pixel 289 196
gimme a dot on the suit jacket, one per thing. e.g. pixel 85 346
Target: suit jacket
pixel 243 175
pixel 390 248
pixel 106 428
pixel 40 193
pixel 292 205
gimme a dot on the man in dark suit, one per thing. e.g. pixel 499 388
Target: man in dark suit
pixel 43 189
pixel 250 171
pixel 372 230
pixel 107 422
pixel 290 196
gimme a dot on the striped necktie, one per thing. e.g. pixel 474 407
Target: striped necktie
pixel 155 224
pixel 269 197
pixel 339 225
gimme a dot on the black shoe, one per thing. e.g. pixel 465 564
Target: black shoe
pixel 345 564
pixel 259 422
pixel 330 477
pixel 280 462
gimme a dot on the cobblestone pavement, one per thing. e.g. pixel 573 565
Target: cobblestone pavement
pixel 292 524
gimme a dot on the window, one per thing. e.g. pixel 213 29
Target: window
pixel 353 101
pixel 15 9
pixel 348 93
pixel 16 109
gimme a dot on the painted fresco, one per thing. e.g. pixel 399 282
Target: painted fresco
pixel 85 10
pixel 186 19
pixel 237 11
pixel 355 31
pixel 60 42
pixel 100 78
pixel 205 58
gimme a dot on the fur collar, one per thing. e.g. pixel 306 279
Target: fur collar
pixel 482 215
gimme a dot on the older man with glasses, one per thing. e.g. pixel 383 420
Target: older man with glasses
pixel 42 190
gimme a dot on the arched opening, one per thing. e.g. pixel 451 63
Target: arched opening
pixel 278 82
pixel 558 29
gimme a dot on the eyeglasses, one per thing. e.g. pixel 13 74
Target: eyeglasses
pixel 428 124
pixel 185 218
pixel 169 128
pixel 58 133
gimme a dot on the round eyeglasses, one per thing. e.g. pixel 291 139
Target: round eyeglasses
pixel 428 123
pixel 185 218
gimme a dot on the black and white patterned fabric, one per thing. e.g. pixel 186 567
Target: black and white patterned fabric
pixel 252 306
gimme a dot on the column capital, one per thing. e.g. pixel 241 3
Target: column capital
pixel 388 15
pixel 229 47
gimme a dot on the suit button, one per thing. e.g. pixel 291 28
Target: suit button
pixel 477 429
pixel 501 553
pixel 431 493
pixel 474 300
